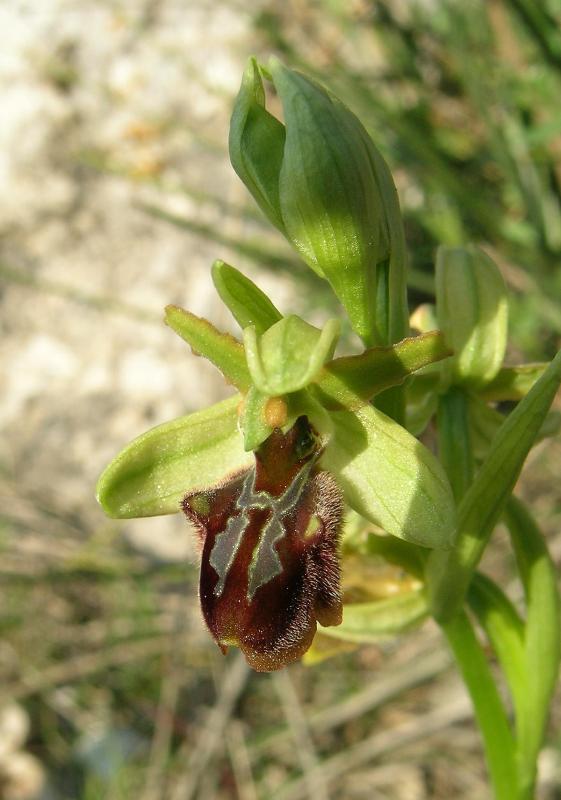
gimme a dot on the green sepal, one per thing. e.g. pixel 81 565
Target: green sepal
pixel 288 356
pixel 221 349
pixel 248 304
pixel 390 478
pixel 380 619
pixel 256 144
pixel 472 310
pixel 345 379
pixel 449 573
pixel 512 383
pixel 156 470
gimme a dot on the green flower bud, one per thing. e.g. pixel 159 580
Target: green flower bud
pixel 472 309
pixel 321 181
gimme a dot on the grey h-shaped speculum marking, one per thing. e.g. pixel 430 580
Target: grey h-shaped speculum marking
pixel 265 563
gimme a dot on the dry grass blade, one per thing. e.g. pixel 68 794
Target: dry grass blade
pixel 163 730
pixel 380 743
pixel 406 676
pixel 239 758
pixel 84 666
pixel 211 737
pixel 305 750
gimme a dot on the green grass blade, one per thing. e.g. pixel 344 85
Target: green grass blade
pixel 543 635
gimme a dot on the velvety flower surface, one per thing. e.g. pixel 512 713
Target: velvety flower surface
pixel 269 536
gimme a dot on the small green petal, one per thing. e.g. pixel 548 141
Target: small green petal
pixel 472 310
pixel 156 470
pixel 289 355
pixel 390 478
pixel 248 304
pixel 378 368
pixel 221 349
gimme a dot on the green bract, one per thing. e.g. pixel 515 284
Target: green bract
pixel 321 181
pixel 390 478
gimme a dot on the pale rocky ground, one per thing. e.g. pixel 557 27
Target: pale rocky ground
pixel 145 89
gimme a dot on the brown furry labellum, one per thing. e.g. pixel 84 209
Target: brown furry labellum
pixel 270 564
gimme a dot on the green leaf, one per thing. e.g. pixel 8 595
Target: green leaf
pixel 486 421
pixel 472 310
pixel 380 619
pixel 449 573
pixel 489 710
pixel 542 641
pixel 256 144
pixel 288 356
pixel 221 349
pixel 345 379
pixel 512 383
pixel 156 470
pixel 391 478
pixel 248 304
pixel 505 630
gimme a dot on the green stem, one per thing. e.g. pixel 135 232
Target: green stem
pixel 490 713
pixel 392 401
pixel 450 571
pixel 454 441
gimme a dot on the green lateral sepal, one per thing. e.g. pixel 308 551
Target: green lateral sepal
pixel 156 470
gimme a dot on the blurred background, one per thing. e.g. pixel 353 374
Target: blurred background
pixel 116 196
